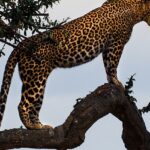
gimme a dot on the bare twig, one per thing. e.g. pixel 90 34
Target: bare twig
pixel 4 41
pixel 41 14
pixel 1 51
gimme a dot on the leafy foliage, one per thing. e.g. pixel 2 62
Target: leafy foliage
pixel 128 92
pixel 145 109
pixel 24 15
pixel 128 88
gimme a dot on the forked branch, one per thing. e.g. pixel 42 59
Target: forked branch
pixel 104 100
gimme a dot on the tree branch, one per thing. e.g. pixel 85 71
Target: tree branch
pixel 4 41
pixel 104 100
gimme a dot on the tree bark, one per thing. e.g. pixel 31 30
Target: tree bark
pixel 104 100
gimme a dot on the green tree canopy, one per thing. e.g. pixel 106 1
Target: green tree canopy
pixel 19 16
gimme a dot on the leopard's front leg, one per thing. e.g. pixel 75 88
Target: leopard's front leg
pixel 111 56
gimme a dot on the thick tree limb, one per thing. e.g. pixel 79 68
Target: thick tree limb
pixel 105 99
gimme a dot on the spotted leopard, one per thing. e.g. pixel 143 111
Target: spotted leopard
pixel 104 30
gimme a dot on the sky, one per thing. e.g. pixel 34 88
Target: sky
pixel 64 86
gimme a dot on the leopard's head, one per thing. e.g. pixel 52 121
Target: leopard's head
pixel 140 8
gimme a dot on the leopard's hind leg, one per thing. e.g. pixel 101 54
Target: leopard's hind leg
pixel 34 76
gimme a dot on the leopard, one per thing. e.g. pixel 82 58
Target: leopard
pixel 104 30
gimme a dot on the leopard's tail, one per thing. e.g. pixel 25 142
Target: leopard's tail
pixel 9 69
